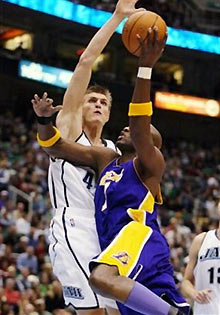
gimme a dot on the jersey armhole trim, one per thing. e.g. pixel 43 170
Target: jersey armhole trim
pixel 200 248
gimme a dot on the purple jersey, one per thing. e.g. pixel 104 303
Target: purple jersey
pixel 125 207
pixel 120 189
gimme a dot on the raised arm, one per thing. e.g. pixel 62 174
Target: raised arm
pixel 188 285
pixel 52 143
pixel 70 118
pixel 149 158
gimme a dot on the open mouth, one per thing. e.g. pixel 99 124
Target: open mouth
pixel 120 137
pixel 97 112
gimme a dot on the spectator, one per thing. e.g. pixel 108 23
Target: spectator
pixel 4 174
pixel 11 294
pixel 23 282
pixel 54 297
pixel 21 246
pixel 40 307
pixel 22 224
pixel 28 259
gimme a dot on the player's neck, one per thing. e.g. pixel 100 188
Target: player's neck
pixel 94 134
pixel 126 157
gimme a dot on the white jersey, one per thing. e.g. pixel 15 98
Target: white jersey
pixel 73 236
pixel 207 274
pixel 70 185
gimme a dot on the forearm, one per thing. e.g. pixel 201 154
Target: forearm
pixel 45 131
pixel 188 289
pixel 52 143
pixel 141 92
pixel 101 38
pixel 80 80
pixel 140 125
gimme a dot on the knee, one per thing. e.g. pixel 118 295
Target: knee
pixel 102 279
pixel 97 279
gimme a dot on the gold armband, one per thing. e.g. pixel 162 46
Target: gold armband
pixel 140 109
pixel 51 141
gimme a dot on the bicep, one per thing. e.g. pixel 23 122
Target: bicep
pixel 152 160
pixel 189 271
pixel 70 124
pixel 193 256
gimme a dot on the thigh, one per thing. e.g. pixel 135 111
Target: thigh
pixel 125 250
pixel 72 245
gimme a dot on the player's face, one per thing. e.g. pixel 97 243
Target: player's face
pixel 124 142
pixel 96 108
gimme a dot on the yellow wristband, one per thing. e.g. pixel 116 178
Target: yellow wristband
pixel 51 141
pixel 140 109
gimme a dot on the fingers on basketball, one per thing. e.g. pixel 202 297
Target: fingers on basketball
pixel 146 25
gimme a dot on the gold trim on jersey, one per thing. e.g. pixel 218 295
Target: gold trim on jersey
pixel 124 251
pixel 159 197
pixel 147 205
pixel 111 176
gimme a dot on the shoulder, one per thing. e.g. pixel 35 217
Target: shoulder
pixel 200 238
pixel 69 124
pixel 197 242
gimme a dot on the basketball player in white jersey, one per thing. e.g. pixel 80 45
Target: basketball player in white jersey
pixel 73 236
pixel 201 281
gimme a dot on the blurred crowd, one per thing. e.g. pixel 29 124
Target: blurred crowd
pixel 27 285
pixel 191 192
pixel 174 12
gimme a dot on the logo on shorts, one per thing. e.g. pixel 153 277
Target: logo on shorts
pixel 72 222
pixel 73 292
pixel 123 257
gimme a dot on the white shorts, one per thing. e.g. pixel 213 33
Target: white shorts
pixel 73 243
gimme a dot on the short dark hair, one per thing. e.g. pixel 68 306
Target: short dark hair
pixel 100 89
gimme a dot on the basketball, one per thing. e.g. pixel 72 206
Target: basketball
pixel 139 23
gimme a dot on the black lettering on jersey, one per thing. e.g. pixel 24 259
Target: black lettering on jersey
pixel 214 275
pixel 88 179
pixel 211 253
pixel 73 292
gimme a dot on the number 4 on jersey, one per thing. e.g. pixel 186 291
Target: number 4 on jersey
pixel 88 179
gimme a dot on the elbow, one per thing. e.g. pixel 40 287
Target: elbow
pixel 54 150
pixel 182 287
pixel 85 60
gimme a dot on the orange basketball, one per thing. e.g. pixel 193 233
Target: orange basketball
pixel 139 23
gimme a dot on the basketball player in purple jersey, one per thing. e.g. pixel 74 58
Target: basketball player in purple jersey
pixel 133 267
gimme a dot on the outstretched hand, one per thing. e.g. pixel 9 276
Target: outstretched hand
pixel 43 107
pixel 127 7
pixel 151 48
pixel 203 296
